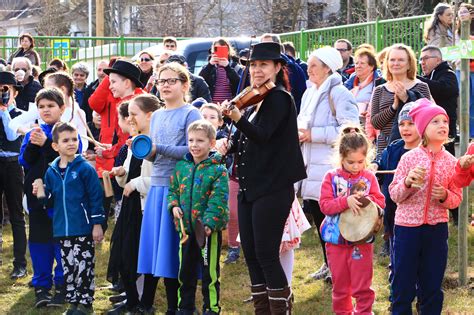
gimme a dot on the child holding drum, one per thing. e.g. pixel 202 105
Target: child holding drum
pixel 421 228
pixel 350 263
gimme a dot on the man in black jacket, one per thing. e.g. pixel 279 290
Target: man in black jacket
pixel 101 65
pixel 444 89
pixel 21 66
pixel 443 85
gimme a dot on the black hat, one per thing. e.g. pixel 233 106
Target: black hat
pixel 126 69
pixel 177 58
pixel 266 51
pixel 43 74
pixel 8 78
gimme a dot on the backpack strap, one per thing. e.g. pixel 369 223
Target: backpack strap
pixel 332 106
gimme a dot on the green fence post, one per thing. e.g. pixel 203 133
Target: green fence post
pixel 304 45
pixel 121 46
pixel 378 35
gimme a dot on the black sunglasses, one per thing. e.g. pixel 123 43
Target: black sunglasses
pixel 145 59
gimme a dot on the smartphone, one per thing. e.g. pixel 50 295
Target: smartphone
pixel 221 51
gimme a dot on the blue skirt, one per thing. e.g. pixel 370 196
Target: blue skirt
pixel 159 240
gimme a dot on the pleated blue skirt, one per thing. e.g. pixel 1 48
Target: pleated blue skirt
pixel 159 241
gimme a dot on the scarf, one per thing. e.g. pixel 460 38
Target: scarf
pixel 361 85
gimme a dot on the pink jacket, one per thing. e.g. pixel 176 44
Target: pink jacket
pixel 415 206
pixel 336 188
pixel 464 176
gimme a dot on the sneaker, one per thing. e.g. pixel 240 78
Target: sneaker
pixel 71 309
pixel 145 311
pixel 59 297
pixel 232 255
pixel 328 279
pixel 118 298
pixel 120 309
pixel 18 272
pixel 42 297
pixel 321 273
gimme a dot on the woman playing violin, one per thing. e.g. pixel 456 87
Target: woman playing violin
pixel 268 162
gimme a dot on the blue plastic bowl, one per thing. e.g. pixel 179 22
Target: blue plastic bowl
pixel 141 146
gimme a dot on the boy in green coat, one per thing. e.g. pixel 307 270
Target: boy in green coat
pixel 199 192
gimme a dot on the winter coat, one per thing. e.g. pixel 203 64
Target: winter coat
pixel 464 176
pixel 440 36
pixel 201 191
pixel 77 198
pixel 415 206
pixel 209 74
pixel 444 89
pixel 325 129
pixel 31 54
pixel 297 80
pixel 335 190
pixel 28 94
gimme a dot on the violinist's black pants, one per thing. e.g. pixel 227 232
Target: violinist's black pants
pixel 261 224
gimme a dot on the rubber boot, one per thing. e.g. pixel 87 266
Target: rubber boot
pixel 260 299
pixel 280 301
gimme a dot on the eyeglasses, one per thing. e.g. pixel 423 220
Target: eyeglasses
pixel 351 129
pixel 342 49
pixel 18 69
pixel 426 58
pixel 145 59
pixel 170 81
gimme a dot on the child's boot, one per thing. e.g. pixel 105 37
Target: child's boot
pixel 42 297
pixel 59 297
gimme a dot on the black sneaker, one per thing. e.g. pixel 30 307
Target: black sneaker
pixel 18 272
pixel 122 308
pixel 42 297
pixel 118 298
pixel 59 297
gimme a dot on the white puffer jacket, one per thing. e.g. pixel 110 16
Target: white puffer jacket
pixel 319 154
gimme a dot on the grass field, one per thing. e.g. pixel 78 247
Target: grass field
pixel 311 297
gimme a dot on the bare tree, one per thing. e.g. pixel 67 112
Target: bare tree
pixel 54 20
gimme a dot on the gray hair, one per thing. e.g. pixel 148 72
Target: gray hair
pixel 22 59
pixel 80 66
pixel 433 49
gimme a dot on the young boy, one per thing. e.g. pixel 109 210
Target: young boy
pixel 36 153
pixel 199 191
pixel 73 186
pixel 389 161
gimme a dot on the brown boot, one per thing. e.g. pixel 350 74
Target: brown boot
pixel 260 299
pixel 281 301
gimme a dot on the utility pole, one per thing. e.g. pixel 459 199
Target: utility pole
pixel 464 140
pixel 371 10
pixel 99 20
pixel 349 12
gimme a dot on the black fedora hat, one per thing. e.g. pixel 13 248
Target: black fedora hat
pixel 8 78
pixel 126 69
pixel 266 51
pixel 43 74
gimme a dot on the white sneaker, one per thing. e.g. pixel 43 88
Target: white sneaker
pixel 321 273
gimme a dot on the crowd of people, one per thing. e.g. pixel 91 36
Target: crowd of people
pixel 348 129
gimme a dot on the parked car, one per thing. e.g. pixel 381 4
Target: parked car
pixel 196 50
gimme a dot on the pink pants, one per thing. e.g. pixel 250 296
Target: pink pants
pixel 233 225
pixel 351 268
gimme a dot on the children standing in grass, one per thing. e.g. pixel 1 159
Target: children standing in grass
pixel 199 191
pixel 424 191
pixel 75 191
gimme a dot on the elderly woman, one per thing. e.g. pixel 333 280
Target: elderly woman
pixel 401 87
pixel 438 27
pixel 364 80
pixel 80 73
pixel 26 49
pixel 325 107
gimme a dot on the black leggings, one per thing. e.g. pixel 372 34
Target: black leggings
pixel 261 224
pixel 149 290
pixel 312 206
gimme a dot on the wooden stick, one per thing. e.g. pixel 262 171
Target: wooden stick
pixel 184 236
pixel 108 190
pixel 385 172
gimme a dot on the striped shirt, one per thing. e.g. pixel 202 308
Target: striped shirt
pixel 383 115
pixel 222 89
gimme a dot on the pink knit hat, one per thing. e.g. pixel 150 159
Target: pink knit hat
pixel 423 112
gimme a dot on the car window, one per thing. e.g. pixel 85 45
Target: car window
pixel 200 61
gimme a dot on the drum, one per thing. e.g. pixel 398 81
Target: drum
pixel 359 228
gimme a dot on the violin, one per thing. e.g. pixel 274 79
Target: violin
pixel 251 95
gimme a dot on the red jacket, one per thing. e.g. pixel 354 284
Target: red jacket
pixel 106 105
pixel 464 176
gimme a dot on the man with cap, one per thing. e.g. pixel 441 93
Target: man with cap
pixel 121 83
pixel 199 87
pixel 11 173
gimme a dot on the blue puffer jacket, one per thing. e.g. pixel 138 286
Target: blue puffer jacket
pixel 77 198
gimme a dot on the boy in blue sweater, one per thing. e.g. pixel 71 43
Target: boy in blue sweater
pixel 73 186
pixel 391 155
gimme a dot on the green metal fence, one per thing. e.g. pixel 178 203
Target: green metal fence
pixel 380 34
